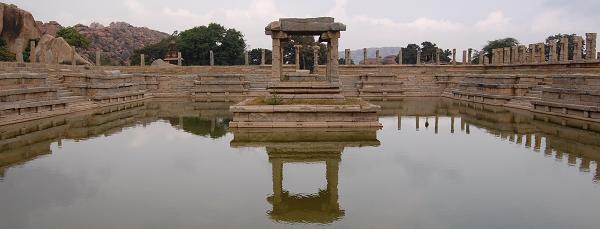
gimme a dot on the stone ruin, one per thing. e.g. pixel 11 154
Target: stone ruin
pixel 307 100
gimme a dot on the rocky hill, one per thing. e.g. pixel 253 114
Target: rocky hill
pixel 17 27
pixel 116 41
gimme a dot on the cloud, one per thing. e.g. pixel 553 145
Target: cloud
pixel 494 21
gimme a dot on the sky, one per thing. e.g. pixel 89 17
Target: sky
pixel 459 24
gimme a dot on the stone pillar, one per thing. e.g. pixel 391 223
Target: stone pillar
pixel 333 50
pixel 19 54
pixel 564 49
pixel 453 56
pixel 470 56
pixel 506 55
pixel 297 56
pixel 263 57
pixel 347 57
pixel 542 52
pixel 365 58
pixel 532 53
pixel 316 49
pixel 246 60
pixel 486 60
pixel 377 56
pixel 514 53
pixel 418 57
pixel 553 56
pixel 438 52
pixel 464 57
pixel 142 60
pixel 577 48
pixel 481 59
pixel 179 60
pixel 32 53
pixel 277 173
pixel 400 57
pixel 212 57
pixel 276 59
pixel 522 49
pixel 332 167
pixel 590 46
pixel 98 60
pixel 73 62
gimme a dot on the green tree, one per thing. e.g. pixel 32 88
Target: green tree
pixel 306 52
pixel 195 44
pixel 500 43
pixel 5 54
pixel 152 52
pixel 255 56
pixel 409 54
pixel 73 37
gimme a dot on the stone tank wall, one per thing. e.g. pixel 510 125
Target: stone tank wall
pixel 564 89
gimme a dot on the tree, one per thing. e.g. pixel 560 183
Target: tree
pixel 195 44
pixel 152 52
pixel 73 37
pixel 255 56
pixel 500 43
pixel 409 54
pixel 306 52
pixel 5 54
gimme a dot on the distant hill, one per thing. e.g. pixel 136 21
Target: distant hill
pixel 117 41
pixel 357 55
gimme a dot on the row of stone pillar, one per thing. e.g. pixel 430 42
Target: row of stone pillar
pixel 536 53
pixel 467 56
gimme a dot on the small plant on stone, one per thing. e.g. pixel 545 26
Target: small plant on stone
pixel 274 99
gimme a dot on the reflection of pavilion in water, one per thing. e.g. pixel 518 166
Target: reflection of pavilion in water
pixel 555 136
pixel 305 146
pixel 23 142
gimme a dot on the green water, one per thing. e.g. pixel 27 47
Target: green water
pixel 435 164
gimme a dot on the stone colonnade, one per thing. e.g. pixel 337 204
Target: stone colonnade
pixel 552 52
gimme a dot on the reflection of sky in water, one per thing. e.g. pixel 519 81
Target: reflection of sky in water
pixel 164 176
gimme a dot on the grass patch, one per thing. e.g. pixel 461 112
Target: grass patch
pixel 269 100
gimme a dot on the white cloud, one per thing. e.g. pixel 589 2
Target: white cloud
pixel 494 21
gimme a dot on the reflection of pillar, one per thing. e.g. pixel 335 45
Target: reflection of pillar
pixel 436 124
pixel 519 139
pixel 538 142
pixel 468 128
pixel 571 159
pixel 559 155
pixel 417 122
pixel 452 124
pixel 333 167
pixel 213 122
pixel 399 122
pixel 597 174
pixel 585 165
pixel 277 170
pixel 527 140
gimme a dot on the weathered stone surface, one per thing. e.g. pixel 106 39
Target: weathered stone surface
pixel 17 25
pixel 305 25
pixel 57 50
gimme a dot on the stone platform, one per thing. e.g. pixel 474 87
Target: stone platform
pixel 359 114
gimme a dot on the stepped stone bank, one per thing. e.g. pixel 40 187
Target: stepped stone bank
pixel 519 77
